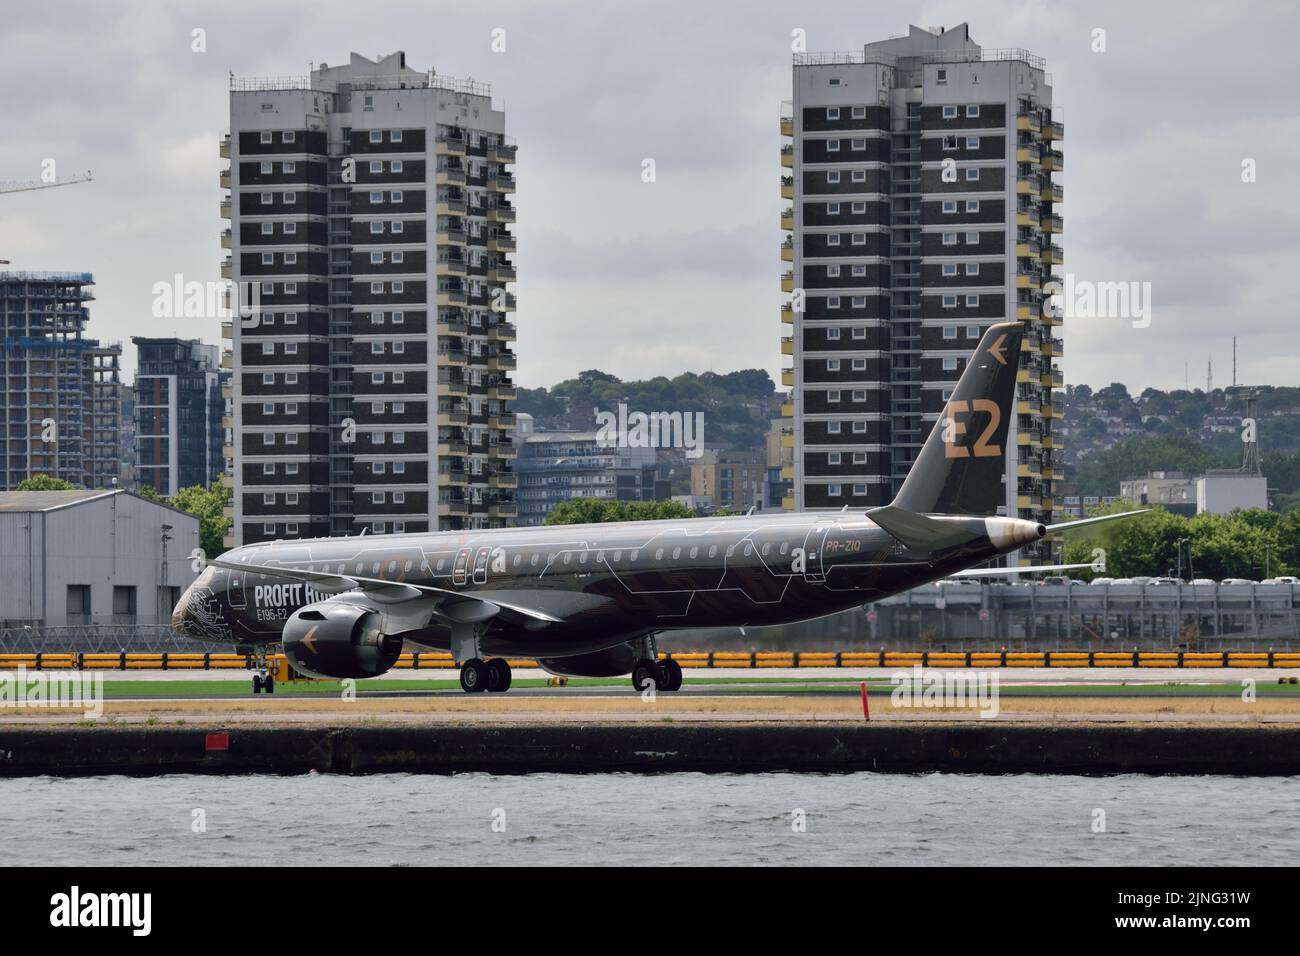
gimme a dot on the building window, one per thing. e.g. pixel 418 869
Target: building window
pixel 833 176
pixel 376 135
pixel 950 238
pixel 376 258
pixel 833 239
pixel 859 365
pixel 832 302
pixel 859 428
pixel 832 209
pixel 833 458
pixel 833 491
pixel 972 205
pixel 398 257
pixel 268 198
pixel 972 111
pixel 268 529
pixel 949 206
pixel 268 438
pixel 397 227
pixel 376 378
pixel 950 331
pixel 941 77
pixel 832 112
pixel 972 142
pixel 291 318
pixel 950 302
pixel 291 408
pixel 859 331
pixel 398 286
pixel 376 227
pixel 972 175
pixel 972 238
pixel 268 378
pixel 973 331
pixel 859 175
pixel 950 112
pixel 376 166
pixel 859 238
pixel 832 272
pixel 291 378
pixel 950 364
pixel 832 146
pixel 291 258
pixel 832 428
pixel 376 198
pixel 395 136
pixel 396 196
pixel 859 112
pixel 266 136
pixel 268 228
pixel 832 365
pixel 289 167
pixel 376 348
pixel 949 143
pixel 290 198
pixel 268 499
pixel 972 268
pixel 950 268
pixel 833 395
pixel 291 498
pixel 399 347
pixel 833 334
pixel 972 301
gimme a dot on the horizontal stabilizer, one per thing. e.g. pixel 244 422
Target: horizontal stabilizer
pixel 1033 569
pixel 918 532
pixel 1098 519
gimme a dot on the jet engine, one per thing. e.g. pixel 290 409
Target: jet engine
pixel 337 639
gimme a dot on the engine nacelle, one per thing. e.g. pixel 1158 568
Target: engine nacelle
pixel 336 639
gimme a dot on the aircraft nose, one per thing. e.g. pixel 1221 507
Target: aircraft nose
pixel 180 613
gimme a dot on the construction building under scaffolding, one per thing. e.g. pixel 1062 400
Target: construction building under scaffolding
pixel 60 403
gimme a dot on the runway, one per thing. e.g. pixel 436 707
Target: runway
pixel 1160 696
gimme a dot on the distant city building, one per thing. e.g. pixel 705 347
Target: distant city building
pixel 734 482
pixel 1171 490
pixel 922 211
pixel 52 579
pixel 178 414
pixel 558 466
pixel 1221 492
pixel 1217 492
pixel 370 207
pixel 60 402
pixel 126 439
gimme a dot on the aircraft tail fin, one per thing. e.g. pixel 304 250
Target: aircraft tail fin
pixel 960 466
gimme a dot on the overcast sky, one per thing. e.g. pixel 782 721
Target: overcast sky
pixel 682 274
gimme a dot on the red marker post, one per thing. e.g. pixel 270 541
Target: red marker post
pixel 866 709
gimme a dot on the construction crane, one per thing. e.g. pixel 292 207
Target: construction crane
pixel 29 185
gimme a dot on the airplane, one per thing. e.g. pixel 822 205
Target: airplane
pixel 589 600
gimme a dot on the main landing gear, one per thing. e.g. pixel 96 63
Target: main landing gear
pixel 666 675
pixel 478 675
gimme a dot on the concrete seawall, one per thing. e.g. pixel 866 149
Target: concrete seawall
pixel 747 748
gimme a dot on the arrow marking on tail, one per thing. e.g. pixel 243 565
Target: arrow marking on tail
pixel 996 349
pixel 309 639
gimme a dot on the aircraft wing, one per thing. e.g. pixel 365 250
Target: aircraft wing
pixel 985 572
pixel 451 605
pixel 1096 519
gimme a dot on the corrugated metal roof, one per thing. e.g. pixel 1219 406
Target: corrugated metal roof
pixel 23 501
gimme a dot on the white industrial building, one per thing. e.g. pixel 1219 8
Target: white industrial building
pixel 92 557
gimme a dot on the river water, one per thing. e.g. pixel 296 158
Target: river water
pixel 668 819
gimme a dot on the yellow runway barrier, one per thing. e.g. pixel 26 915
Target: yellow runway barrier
pixel 717 660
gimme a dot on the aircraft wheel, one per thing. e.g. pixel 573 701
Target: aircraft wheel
pixel 269 684
pixel 672 675
pixel 498 675
pixel 645 671
pixel 473 676
pixel 257 683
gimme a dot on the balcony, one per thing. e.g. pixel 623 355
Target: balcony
pixel 223 147
pixel 227 268
pixel 787 187
pixel 787 126
pixel 787 219
pixel 1028 153
pixel 225 178
pixel 1051 224
pixel 787 251
pixel 447 145
pixel 1054 131
pixel 787 314
pixel 1028 248
pixel 451 267
pixel 787 377
pixel 503 182
pixel 787 157
pixel 226 239
pixel 787 282
pixel 502 242
pixel 1027 185
pixel 1052 254
pixel 450 176
pixel 502 213
pixel 787 345
pixel 1051 192
pixel 1028 122
pixel 225 209
pixel 453 507
pixel 1053 161
pixel 503 152
pixel 449 388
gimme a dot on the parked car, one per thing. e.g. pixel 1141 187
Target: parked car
pixel 1282 579
pixel 1238 581
pixel 1102 581
pixel 1165 582
pixel 1055 579
pixel 1205 582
